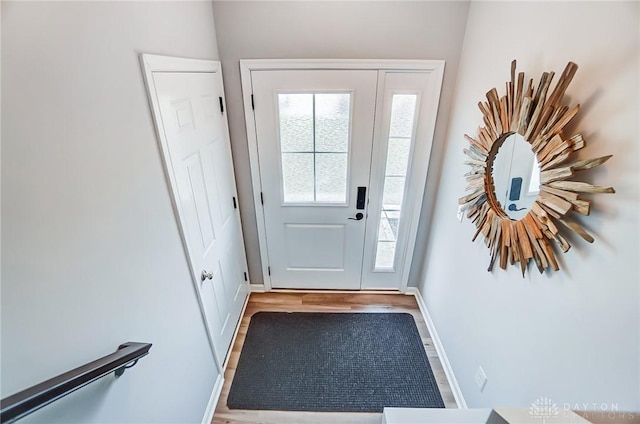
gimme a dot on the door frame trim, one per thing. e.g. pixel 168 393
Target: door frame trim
pixel 435 67
pixel 156 63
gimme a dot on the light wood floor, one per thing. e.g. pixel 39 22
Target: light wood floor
pixel 322 302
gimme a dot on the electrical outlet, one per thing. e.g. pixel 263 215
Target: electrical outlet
pixel 481 378
pixel 460 212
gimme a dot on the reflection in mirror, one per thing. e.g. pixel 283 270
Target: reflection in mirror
pixel 516 176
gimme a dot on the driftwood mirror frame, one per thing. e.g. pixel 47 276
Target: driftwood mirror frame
pixel 528 111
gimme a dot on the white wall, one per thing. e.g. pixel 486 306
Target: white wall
pixel 91 254
pixel 334 30
pixel 573 335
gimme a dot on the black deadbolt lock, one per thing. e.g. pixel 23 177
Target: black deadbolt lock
pixel 362 194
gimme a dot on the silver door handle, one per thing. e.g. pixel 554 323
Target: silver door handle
pixel 206 275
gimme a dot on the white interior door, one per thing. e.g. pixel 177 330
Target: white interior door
pixel 339 153
pixel 188 109
pixel 315 130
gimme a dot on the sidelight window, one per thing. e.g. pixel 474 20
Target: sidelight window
pixel 401 133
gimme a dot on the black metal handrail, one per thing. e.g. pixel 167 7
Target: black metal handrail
pixel 23 403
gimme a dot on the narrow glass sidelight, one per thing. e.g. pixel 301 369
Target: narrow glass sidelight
pixel 401 133
pixel 314 146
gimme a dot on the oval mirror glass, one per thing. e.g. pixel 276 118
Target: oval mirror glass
pixel 516 176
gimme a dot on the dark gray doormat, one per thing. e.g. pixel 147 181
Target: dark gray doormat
pixel 341 362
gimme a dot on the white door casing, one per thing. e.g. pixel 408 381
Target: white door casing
pixel 187 102
pixel 399 83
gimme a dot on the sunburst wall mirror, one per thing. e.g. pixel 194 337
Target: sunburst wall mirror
pixel 522 173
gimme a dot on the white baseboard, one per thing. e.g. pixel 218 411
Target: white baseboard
pixel 257 288
pixel 217 388
pixel 446 365
pixel 235 333
pixel 260 289
pixel 213 400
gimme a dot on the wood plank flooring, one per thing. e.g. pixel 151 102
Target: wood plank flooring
pixel 322 302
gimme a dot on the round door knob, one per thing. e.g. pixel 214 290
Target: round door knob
pixel 206 275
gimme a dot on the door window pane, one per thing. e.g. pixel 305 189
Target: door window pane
pixel 398 156
pixel 393 192
pixel 314 145
pixel 297 176
pixel 403 108
pixel 385 254
pixel 402 111
pixel 534 180
pixel 296 122
pixel 332 122
pixel 331 177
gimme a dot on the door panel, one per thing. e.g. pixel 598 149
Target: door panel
pixel 196 195
pixel 315 131
pixel 198 161
pixel 315 246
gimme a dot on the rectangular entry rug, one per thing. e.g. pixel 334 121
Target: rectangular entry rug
pixel 340 362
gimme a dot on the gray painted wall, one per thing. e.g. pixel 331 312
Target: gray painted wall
pixel 333 30
pixel 91 254
pixel 570 336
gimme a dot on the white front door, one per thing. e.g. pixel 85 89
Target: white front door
pixel 188 109
pixel 339 153
pixel 316 129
